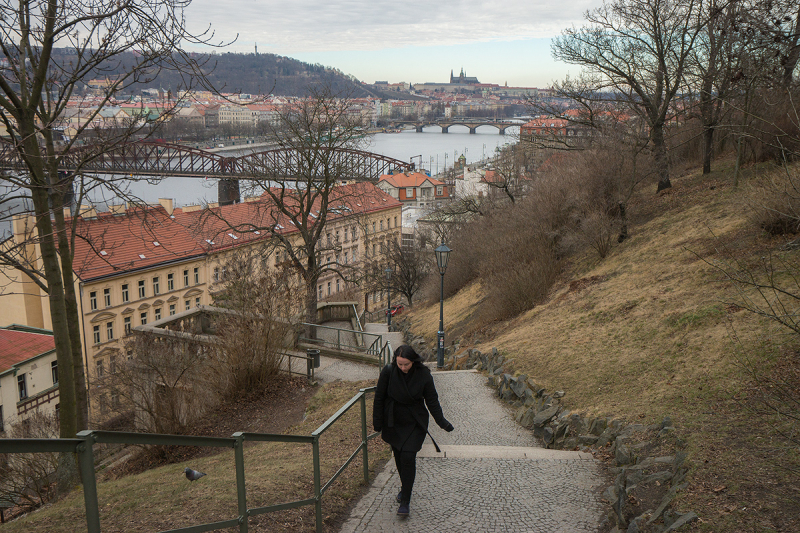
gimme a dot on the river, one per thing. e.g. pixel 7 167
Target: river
pixel 431 150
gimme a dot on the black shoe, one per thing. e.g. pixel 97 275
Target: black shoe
pixel 403 509
pixel 398 499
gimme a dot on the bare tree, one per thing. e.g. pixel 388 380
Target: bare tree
pixel 254 335
pixel 410 267
pixel 27 479
pixel 635 53
pixel 38 82
pixel 319 133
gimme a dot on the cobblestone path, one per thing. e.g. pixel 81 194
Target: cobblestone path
pixel 490 477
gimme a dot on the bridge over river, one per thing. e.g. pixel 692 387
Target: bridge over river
pixel 472 123
pixel 143 159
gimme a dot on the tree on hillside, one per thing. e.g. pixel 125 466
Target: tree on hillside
pixel 410 267
pixel 635 53
pixel 713 63
pixel 35 90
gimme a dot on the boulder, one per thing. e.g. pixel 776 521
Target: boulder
pixel 545 416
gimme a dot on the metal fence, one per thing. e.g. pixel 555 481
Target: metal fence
pixel 83 447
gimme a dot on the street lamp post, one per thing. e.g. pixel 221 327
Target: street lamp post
pixel 389 273
pixel 442 255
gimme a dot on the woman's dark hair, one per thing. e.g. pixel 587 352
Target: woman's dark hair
pixel 407 352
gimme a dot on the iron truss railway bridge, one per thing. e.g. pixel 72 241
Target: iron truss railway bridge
pixel 152 158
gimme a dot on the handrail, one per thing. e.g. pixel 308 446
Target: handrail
pixel 338 344
pixel 82 446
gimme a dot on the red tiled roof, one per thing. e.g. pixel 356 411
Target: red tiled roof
pixel 412 179
pixel 118 243
pixel 235 224
pixel 17 346
pixel 139 238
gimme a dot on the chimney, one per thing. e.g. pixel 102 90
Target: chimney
pixel 167 204
pixel 228 192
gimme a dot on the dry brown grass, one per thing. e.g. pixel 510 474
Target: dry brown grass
pixel 162 498
pixel 646 333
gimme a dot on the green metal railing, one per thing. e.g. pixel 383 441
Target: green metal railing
pixel 83 447
pixel 343 339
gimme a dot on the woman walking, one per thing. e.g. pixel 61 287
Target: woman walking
pixel 405 388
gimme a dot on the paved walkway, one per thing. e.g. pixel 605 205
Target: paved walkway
pixel 490 477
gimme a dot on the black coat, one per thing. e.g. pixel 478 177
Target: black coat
pixel 399 410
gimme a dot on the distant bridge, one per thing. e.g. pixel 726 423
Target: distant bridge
pixel 472 123
pixel 151 158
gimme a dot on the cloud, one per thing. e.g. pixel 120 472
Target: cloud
pixel 313 26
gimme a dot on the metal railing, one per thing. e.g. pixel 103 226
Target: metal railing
pixel 83 447
pixel 343 339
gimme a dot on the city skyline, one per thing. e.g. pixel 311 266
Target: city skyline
pixel 415 42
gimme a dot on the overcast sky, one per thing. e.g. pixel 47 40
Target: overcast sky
pixel 416 41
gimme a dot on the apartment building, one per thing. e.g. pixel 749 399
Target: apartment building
pixel 28 375
pixel 138 265
pixel 415 188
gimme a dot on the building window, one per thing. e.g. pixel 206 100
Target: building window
pixel 337 285
pixel 127 325
pixel 353 233
pixel 329 288
pixel 216 269
pixel 156 286
pixel 110 331
pixel 170 282
pixel 100 368
pixel 93 300
pixel 107 297
pixel 171 309
pixel 96 334
pixel 197 302
pixel 157 314
pixel 196 275
pixel 409 193
pixel 373 227
pixel 22 386
pixel 125 296
pixel 2 425
pixel 185 278
pixel 395 222
pixel 112 364
pixel 345 234
pixel 438 190
pixel 142 290
pixel 374 250
pixel 143 318
pixel 54 372
pixel 188 304
pixel 381 224
pixel 345 258
pixel 319 288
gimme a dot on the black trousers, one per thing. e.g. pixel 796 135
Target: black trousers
pixel 406 463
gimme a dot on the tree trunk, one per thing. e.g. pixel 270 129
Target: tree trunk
pixel 58 192
pixel 55 285
pixel 708 148
pixel 660 156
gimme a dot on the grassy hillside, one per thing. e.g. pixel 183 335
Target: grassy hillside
pixel 162 498
pixel 649 332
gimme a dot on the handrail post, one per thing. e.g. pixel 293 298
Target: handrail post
pixel 317 484
pixel 364 441
pixel 241 489
pixel 86 459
